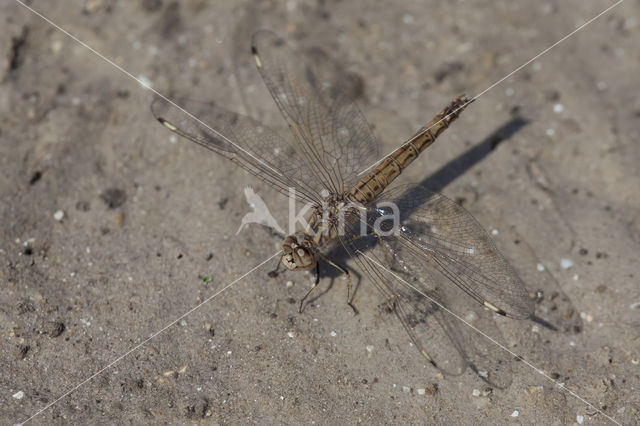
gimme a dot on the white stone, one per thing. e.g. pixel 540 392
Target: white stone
pixel 566 263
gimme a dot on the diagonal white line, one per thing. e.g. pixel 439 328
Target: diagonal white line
pixel 145 341
pixel 144 85
pixel 512 72
pixel 519 357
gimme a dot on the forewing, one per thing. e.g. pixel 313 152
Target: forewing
pixel 243 140
pixel 334 138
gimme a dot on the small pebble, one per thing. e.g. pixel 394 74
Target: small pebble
pixel 551 131
pixel 59 215
pixel 566 263
pixel 540 267
pixel 431 389
pixel 421 391
pixel 515 413
pixel 475 392
pixel 290 334
pixel 558 108
pixel 494 232
pixel 18 395
pixel 369 348
pixel 333 333
pixel 407 19
pixel 406 389
pixel 464 48
pixel 587 317
pixel 579 419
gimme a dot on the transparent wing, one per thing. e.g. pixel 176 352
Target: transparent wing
pixel 437 233
pixel 427 309
pixel 437 242
pixel 247 142
pixel 334 139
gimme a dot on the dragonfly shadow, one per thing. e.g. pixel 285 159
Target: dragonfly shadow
pixel 459 166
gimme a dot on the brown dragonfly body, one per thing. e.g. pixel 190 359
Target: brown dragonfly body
pixel 437 243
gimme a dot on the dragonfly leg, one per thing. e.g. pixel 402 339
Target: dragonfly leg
pixel 274 272
pixel 349 282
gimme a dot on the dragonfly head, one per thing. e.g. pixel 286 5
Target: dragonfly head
pixel 297 254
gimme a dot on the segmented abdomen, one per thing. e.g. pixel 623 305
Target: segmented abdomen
pixel 390 168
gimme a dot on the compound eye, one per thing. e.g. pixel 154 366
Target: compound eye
pixel 306 258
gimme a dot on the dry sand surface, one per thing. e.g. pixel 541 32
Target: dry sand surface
pixel 112 227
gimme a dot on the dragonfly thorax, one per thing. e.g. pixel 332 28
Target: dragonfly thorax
pixel 326 220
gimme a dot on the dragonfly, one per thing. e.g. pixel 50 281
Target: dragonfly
pixel 426 258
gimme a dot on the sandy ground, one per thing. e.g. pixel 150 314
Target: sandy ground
pixel 111 228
